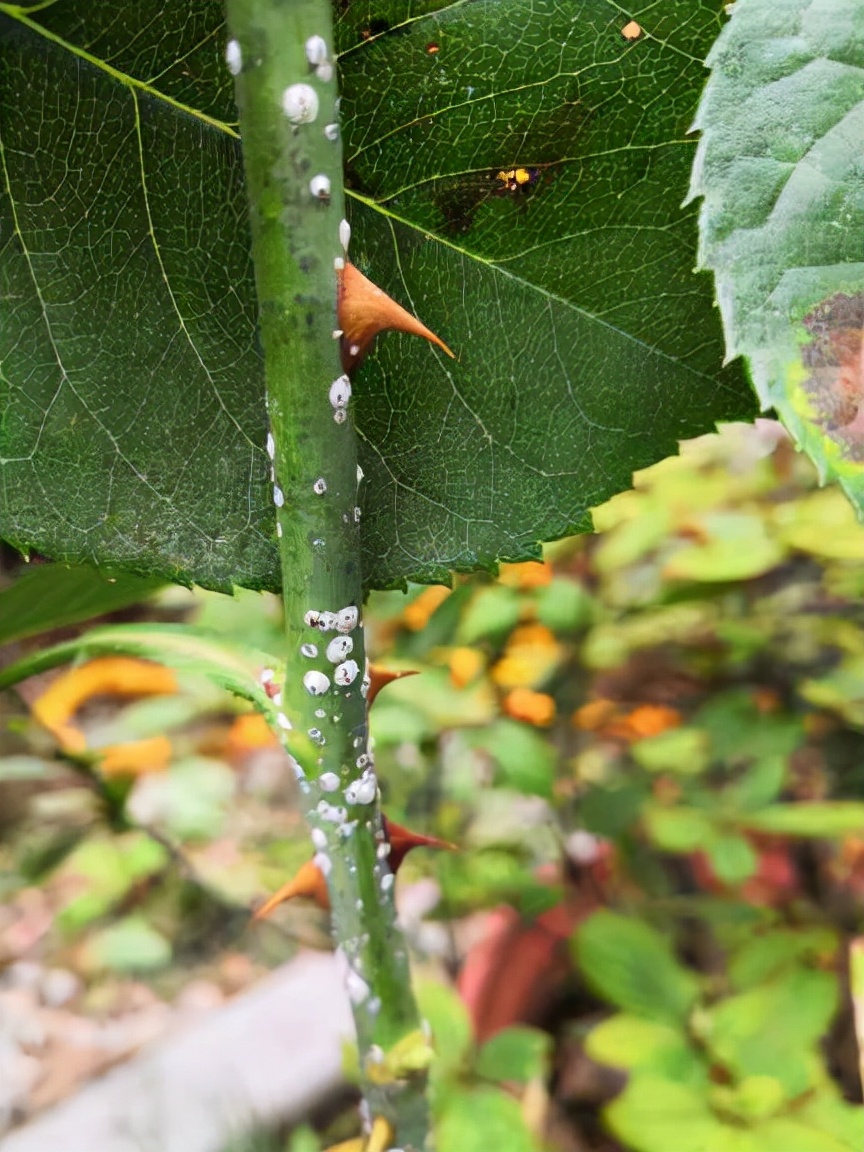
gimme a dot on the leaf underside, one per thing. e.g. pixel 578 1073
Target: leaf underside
pixel 780 169
pixel 132 419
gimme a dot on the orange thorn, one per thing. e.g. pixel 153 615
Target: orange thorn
pixel 309 881
pixel 380 677
pixel 364 310
pixel 403 840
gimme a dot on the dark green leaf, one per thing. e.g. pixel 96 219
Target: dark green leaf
pixel 133 417
pixel 779 166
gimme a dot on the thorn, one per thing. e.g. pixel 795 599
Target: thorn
pixel 309 880
pixel 380 677
pixel 364 310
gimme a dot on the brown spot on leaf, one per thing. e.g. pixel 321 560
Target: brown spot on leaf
pixel 835 362
pixel 631 31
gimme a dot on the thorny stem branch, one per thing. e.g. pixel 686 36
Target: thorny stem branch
pixel 282 57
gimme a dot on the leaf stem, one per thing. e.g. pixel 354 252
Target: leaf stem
pixel 282 56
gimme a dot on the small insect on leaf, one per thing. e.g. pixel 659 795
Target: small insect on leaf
pixel 513 179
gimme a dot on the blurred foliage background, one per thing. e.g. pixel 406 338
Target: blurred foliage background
pixel 649 750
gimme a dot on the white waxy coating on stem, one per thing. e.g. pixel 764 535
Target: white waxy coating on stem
pixel 358 512
pixel 364 790
pixel 340 392
pixel 356 987
pixel 300 103
pixel 266 675
pixel 340 415
pixel 271 445
pixel 346 619
pixel 310 651
pixel 387 881
pixel 383 850
pixel 338 648
pixel 344 234
pixel 316 683
pixel 316 50
pixel 324 71
pixel 323 863
pixel 319 186
pixel 279 529
pixel 319 839
pixel 346 673
pixel 328 781
pixel 360 473
pixel 331 812
pixel 331 131
pixel 278 496
pixel 277 700
pixel 320 486
pixel 338 263
pixel 233 57
pixel 283 721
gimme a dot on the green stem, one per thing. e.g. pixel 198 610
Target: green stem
pixel 282 56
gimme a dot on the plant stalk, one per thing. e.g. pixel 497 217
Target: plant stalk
pixel 282 56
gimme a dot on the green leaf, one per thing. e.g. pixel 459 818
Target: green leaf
pixel 133 415
pixel 828 819
pixel 525 757
pixel 130 945
pixel 482 1119
pixel 733 858
pixel 633 966
pixel 772 1029
pixel 451 1028
pixel 53 596
pixel 655 1115
pixel 646 1046
pixel 678 829
pixel 779 167
pixel 762 957
pixel 98 873
pixel 517 1053
pixel 491 612
pixel 681 750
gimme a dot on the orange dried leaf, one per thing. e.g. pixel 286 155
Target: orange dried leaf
pixel 417 614
pixel 380 677
pixel 533 707
pixel 593 715
pixel 644 721
pixel 466 664
pixel 364 310
pixel 631 31
pixel 137 758
pixel 107 676
pixel 530 574
pixel 248 732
